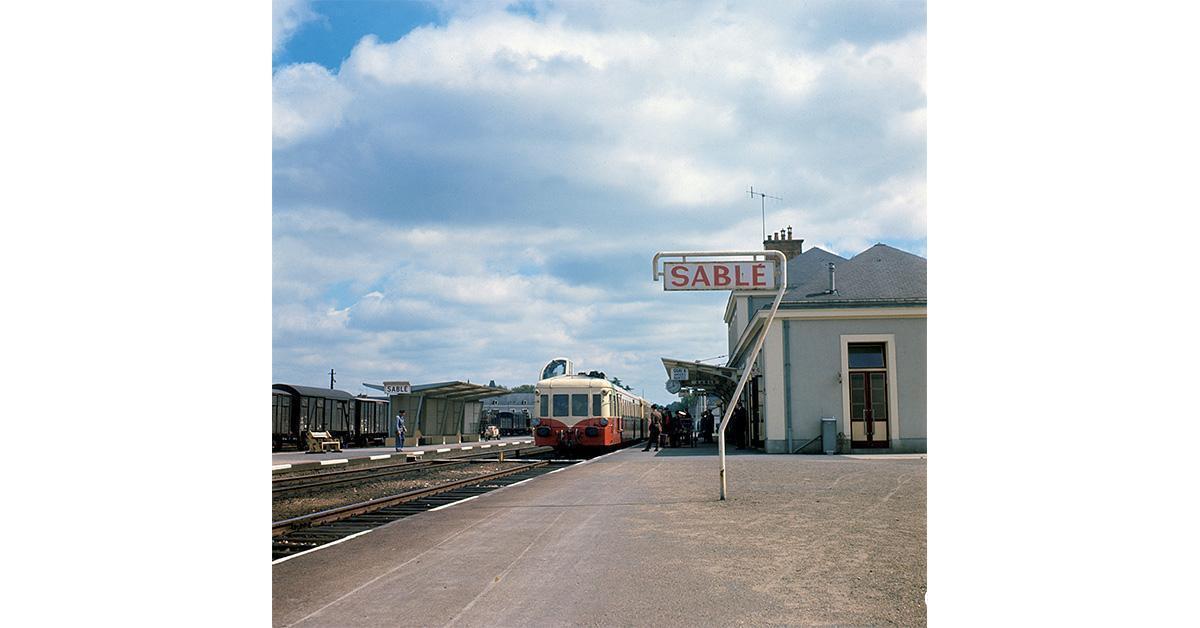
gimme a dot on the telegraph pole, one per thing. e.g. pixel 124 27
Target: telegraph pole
pixel 331 380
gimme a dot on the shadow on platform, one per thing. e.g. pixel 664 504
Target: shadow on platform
pixel 703 449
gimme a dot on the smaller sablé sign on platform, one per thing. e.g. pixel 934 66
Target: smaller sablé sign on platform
pixel 397 388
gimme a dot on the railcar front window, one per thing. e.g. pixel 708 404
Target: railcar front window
pixel 579 405
pixel 545 405
pixel 596 404
pixel 561 405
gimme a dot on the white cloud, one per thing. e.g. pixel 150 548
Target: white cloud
pixel 287 17
pixel 680 117
pixel 308 101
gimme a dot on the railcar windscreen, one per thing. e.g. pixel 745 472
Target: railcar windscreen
pixel 579 405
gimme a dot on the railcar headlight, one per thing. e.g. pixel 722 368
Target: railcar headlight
pixel 537 422
pixel 603 422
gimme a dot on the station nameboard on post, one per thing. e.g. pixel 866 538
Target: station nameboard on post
pixel 739 275
pixel 765 270
pixel 397 388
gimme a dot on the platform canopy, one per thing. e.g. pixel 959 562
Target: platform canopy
pixel 705 378
pixel 457 391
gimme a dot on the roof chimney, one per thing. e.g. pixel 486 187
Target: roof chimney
pixel 832 281
pixel 782 241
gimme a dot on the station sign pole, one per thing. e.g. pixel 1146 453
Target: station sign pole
pixel 726 270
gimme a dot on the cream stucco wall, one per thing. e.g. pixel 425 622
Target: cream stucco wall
pixel 819 384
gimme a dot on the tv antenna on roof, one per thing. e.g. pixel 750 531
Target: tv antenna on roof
pixel 764 207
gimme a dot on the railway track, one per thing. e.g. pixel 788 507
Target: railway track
pixel 299 534
pixel 297 483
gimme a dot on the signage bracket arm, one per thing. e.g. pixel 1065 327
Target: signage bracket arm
pixel 749 367
pixel 781 262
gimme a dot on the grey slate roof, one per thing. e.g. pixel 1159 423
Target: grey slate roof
pixel 880 275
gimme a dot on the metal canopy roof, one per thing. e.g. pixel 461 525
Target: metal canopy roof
pixel 706 378
pixel 312 391
pixel 458 391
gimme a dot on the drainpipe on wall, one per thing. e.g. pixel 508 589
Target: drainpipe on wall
pixel 787 381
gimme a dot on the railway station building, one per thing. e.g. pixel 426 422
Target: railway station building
pixel 848 342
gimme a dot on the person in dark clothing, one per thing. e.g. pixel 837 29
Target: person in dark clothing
pixel 706 425
pixel 740 419
pixel 655 430
pixel 679 425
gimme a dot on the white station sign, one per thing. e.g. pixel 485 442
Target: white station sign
pixel 397 388
pixel 758 275
pixel 679 374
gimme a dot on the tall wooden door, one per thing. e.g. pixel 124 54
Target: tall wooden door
pixel 868 396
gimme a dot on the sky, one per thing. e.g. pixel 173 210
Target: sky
pixel 465 190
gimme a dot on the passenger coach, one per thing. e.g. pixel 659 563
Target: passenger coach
pixel 586 410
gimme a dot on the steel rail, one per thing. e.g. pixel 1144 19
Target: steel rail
pixel 370 474
pixel 344 472
pixel 344 512
pixel 369 468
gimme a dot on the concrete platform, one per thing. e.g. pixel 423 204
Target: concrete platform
pixel 298 460
pixel 640 538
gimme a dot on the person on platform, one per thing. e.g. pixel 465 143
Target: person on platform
pixel 664 434
pixel 676 428
pixel 656 414
pixel 400 430
pixel 706 425
pixel 740 419
pixel 655 430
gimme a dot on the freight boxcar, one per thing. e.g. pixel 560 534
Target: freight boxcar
pixel 301 409
pixel 511 423
pixel 370 421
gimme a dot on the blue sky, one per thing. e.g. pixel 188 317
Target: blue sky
pixel 466 190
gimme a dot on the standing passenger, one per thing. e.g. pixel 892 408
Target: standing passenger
pixel 654 415
pixel 706 425
pixel 399 430
pixel 655 430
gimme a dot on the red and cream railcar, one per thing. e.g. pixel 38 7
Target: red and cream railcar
pixel 586 410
